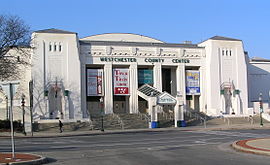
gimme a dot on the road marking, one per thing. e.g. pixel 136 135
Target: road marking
pixel 235 134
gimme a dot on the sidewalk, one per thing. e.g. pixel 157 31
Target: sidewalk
pixel 46 134
pixel 256 146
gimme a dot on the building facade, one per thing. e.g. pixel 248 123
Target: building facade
pixel 75 79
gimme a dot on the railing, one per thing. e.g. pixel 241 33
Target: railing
pixel 197 116
pixel 119 120
pixel 169 115
pixel 144 116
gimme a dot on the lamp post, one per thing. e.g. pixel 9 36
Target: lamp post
pixel 261 108
pixel 102 112
pixel 7 111
pixel 23 113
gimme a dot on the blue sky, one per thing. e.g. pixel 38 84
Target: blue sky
pixel 172 21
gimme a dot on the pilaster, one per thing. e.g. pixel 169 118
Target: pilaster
pixel 133 99
pixel 108 94
pixel 158 76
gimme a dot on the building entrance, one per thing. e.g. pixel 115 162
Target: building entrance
pixel 169 80
pixel 55 102
pixel 120 104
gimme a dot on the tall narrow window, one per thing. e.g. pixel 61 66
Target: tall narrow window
pixel 230 52
pixel 222 52
pixel 60 47
pixel 226 52
pixel 55 46
pixel 50 47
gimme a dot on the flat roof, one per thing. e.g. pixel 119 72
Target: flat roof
pixel 147 44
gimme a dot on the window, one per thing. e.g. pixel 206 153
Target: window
pixel 60 47
pixel 230 52
pixel 55 46
pixel 50 47
pixel 222 52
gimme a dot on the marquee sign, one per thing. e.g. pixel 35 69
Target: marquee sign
pixel 94 82
pixel 121 81
pixel 192 82
pixel 166 99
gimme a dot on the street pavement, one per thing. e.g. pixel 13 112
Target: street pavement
pixel 190 145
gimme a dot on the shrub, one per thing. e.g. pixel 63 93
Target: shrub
pixel 5 125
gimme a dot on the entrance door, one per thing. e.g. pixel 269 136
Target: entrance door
pixel 55 104
pixel 119 107
pixel 94 108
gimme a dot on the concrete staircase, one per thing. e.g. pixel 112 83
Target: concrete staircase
pixel 110 122
pixel 134 121
pixel 165 120
pixel 70 126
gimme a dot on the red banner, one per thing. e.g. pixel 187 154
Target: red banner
pixel 121 81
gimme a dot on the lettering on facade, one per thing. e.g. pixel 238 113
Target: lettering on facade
pixel 148 60
pixel 180 60
pixel 110 59
pixel 154 60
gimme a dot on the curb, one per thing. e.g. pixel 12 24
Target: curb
pixel 41 160
pixel 243 147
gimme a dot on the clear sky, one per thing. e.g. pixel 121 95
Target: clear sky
pixel 172 21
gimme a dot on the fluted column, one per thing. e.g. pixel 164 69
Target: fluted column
pixel 158 76
pixel 180 107
pixel 133 99
pixel 108 93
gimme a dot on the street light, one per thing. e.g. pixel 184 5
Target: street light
pixel 261 108
pixel 102 113
pixel 23 113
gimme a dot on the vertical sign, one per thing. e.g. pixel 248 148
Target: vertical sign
pixel 94 82
pixel 121 81
pixel 192 82
pixel 145 76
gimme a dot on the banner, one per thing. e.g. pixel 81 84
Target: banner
pixel 121 81
pixel 192 82
pixel 145 76
pixel 94 82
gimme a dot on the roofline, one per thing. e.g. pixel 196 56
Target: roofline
pixel 63 31
pixel 124 33
pixel 211 38
pixel 146 44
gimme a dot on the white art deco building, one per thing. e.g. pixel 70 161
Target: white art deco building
pixel 74 79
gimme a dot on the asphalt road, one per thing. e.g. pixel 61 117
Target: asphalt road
pixel 148 148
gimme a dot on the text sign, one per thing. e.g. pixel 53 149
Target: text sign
pixel 192 82
pixel 94 82
pixel 121 81
pixel 166 99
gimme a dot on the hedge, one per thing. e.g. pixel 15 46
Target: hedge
pixel 5 125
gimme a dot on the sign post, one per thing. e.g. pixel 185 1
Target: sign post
pixel 261 109
pixel 10 89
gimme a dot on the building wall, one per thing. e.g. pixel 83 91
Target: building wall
pixel 56 59
pixel 259 78
pixel 225 68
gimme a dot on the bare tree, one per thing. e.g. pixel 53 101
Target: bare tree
pixel 14 45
